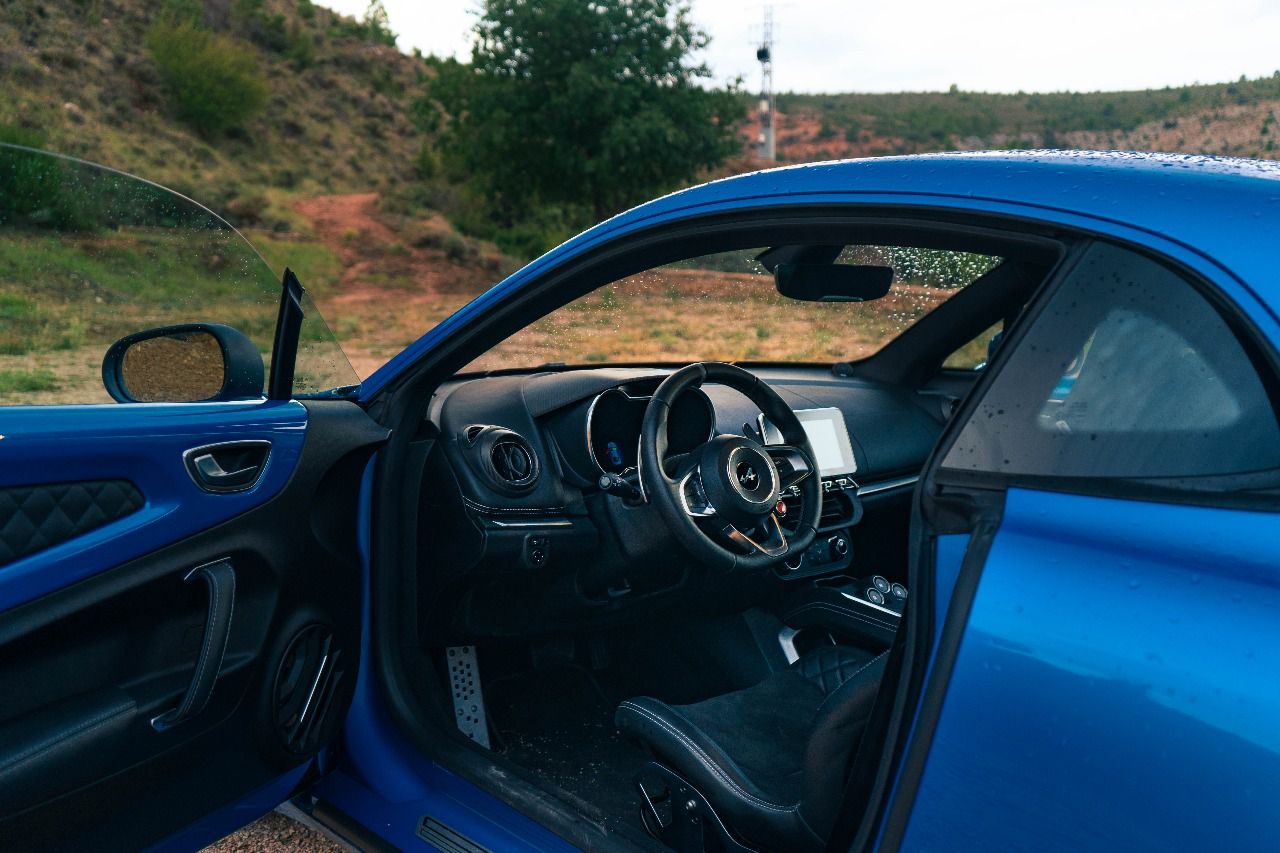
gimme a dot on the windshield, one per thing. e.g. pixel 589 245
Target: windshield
pixel 89 255
pixel 724 307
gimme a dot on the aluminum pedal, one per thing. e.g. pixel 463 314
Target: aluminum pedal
pixel 468 699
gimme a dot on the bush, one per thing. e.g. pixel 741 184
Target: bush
pixel 213 82
pixel 27 381
pixel 427 163
pixel 302 48
pixel 374 27
pixel 32 190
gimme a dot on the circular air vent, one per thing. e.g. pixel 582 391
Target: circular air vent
pixel 513 462
pixel 505 458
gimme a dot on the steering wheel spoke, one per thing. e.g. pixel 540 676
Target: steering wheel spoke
pixel 793 464
pixel 774 546
pixel 693 497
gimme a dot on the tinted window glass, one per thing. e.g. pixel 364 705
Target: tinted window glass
pixel 1129 372
pixel 89 255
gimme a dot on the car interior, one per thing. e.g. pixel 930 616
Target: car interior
pixel 652 601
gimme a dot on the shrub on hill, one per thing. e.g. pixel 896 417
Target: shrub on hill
pixel 212 81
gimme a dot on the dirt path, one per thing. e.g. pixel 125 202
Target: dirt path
pixel 335 216
pixel 395 283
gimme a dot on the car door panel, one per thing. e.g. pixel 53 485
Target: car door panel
pixel 138 448
pixel 1111 667
pixel 88 666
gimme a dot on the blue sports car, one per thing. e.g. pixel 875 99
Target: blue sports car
pixel 922 503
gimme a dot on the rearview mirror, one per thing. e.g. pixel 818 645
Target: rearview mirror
pixel 832 282
pixel 194 362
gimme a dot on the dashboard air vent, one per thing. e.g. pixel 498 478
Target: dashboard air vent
pixel 838 510
pixel 512 461
pixel 505 458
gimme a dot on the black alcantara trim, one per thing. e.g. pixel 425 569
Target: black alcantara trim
pixel 33 518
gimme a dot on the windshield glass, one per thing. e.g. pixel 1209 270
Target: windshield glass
pixel 89 255
pixel 724 307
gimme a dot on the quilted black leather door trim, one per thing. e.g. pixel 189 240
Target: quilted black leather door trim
pixel 33 518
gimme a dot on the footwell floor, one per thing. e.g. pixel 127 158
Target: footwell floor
pixel 558 723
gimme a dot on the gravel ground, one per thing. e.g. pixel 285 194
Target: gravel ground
pixel 275 833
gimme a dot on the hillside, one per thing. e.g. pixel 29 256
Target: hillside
pixel 339 121
pixel 315 180
pixel 1229 118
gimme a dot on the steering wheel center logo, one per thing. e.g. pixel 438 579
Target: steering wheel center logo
pixel 747 476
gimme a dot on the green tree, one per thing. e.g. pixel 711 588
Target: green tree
pixel 572 104
pixel 377 24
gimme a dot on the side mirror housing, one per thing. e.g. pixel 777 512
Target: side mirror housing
pixel 193 362
pixel 832 282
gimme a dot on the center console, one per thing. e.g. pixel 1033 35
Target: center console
pixel 832 549
pixel 864 612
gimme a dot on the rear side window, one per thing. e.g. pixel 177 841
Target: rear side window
pixel 1129 372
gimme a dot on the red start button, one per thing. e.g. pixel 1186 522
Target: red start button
pixel 781 509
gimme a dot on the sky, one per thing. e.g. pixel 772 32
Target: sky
pixel 914 45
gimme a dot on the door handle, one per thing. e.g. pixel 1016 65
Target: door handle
pixel 211 471
pixel 231 466
pixel 220 581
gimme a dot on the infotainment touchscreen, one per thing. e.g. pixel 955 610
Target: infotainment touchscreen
pixel 827 435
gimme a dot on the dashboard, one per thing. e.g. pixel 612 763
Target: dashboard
pixel 516 509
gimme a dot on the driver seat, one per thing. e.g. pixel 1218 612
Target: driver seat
pixel 771 761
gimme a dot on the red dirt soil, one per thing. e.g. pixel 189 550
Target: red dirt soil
pixel 393 286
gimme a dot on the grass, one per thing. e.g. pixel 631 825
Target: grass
pixel 316 265
pixel 61 291
pixel 680 315
pixel 15 381
pixel 75 294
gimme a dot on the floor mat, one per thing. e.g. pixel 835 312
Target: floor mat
pixel 558 723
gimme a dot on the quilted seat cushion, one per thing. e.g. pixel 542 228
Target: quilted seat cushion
pixel 830 667
pixel 33 518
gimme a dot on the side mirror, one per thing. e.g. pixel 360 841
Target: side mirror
pixel 194 362
pixel 832 282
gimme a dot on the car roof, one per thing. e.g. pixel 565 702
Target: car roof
pixel 1223 207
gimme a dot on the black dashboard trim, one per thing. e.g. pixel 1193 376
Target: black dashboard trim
pixel 504 510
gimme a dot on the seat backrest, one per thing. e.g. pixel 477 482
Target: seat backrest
pixel 837 730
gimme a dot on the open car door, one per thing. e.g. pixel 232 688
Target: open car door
pixel 179 571
pixel 1097 677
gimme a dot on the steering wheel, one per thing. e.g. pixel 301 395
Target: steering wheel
pixel 731 483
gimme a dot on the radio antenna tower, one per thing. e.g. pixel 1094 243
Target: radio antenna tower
pixel 766 147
